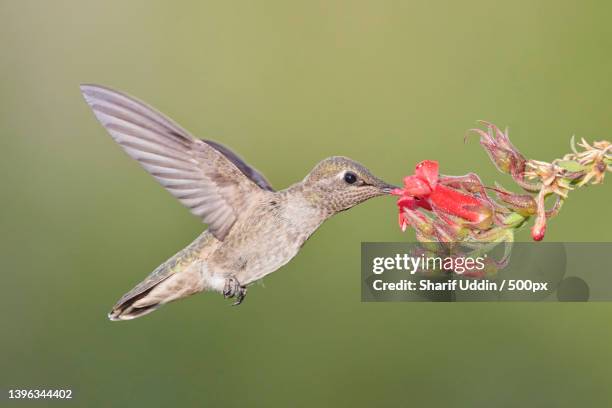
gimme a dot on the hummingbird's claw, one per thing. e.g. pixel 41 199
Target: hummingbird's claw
pixel 233 288
pixel 242 292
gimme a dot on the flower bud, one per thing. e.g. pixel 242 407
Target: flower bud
pixel 500 150
pixel 421 224
pixel 523 204
pixel 539 229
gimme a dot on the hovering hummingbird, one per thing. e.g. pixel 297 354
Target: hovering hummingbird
pixel 253 230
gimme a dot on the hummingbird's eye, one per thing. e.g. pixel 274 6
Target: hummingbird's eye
pixel 350 177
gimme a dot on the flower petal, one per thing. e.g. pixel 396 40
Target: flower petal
pixel 416 186
pixel 451 201
pixel 407 202
pixel 428 171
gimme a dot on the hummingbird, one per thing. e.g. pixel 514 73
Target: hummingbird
pixel 253 229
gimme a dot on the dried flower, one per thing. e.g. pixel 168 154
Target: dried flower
pixel 595 160
pixel 553 177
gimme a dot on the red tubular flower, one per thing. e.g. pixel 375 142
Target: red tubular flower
pixel 455 203
pixel 422 190
pixel 463 209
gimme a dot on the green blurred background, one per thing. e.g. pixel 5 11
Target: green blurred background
pixel 285 84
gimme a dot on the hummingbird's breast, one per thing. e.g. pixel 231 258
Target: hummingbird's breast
pixel 266 238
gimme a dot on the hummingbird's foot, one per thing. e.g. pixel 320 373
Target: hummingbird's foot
pixel 233 288
pixel 242 292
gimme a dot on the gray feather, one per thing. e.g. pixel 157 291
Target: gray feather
pixel 209 179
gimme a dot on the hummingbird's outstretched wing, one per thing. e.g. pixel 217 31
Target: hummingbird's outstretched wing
pixel 209 179
pixel 247 170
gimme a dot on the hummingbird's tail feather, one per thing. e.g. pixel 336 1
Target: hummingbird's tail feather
pixel 134 307
pixel 156 291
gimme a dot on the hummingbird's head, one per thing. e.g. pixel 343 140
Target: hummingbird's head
pixel 339 183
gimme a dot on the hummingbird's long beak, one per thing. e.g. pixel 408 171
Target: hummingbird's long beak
pixel 387 188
